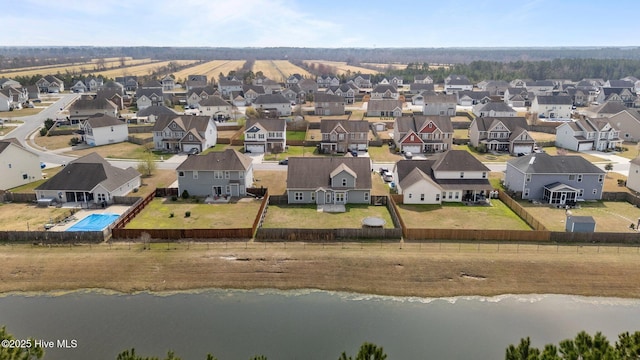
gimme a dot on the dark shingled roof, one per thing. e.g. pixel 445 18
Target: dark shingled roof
pixel 543 163
pixel 229 159
pixel 555 100
pixel 458 160
pixel 314 172
pixel 100 120
pixel 326 125
pixel 156 110
pixel 186 122
pixel 213 101
pixel 322 97
pixel 271 99
pixel 87 172
pixel 416 122
pixel 267 124
pixel 485 123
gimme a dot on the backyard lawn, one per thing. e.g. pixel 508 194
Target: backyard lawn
pixel 384 153
pixel 25 217
pixel 157 215
pixel 274 180
pixel 123 150
pixel 460 216
pixel 308 217
pixel 54 142
pixel 610 216
pixel 295 135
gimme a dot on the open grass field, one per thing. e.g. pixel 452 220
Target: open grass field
pixel 341 67
pixel 139 70
pixel 459 216
pixel 299 217
pixel 24 217
pixel 609 216
pixel 279 70
pixel 157 215
pixel 53 142
pixel 210 68
pixel 88 67
pixel 384 67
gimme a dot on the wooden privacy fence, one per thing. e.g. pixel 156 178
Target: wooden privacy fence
pixel 128 215
pixel 596 237
pixel 262 212
pixel 327 235
pixel 476 235
pixel 52 237
pixel 182 234
pixel 521 212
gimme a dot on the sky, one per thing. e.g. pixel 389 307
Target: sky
pixel 321 23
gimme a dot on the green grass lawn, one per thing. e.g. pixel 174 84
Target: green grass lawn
pixel 460 216
pixel 383 154
pixel 157 215
pixel 307 217
pixel 296 135
pixel 223 147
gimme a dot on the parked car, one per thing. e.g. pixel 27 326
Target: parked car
pixel 387 177
pixel 43 165
pixel 284 162
pixel 408 155
pixel 193 151
pixel 383 170
pixel 354 153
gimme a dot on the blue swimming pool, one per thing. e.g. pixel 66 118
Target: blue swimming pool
pixel 94 222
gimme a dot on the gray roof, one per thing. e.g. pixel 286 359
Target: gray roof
pixel 420 87
pixel 621 84
pixel 230 159
pixel 267 124
pixel 87 172
pixel 476 95
pixel 314 172
pixel 383 104
pixel 156 110
pixel 382 88
pixel 440 98
pixel 214 101
pixel 452 160
pixel 554 100
pixel 539 83
pixel 257 88
pixel 87 104
pixel 543 163
pixel 457 80
pixel 404 167
pixel 327 125
pixel 149 92
pixel 102 120
pixel 209 90
pixel 458 160
pixel 609 107
pixel 6 142
pixel 322 97
pixel 186 122
pixel 270 99
pixel 485 123
pixel 497 106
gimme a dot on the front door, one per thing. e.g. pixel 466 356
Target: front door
pixel 340 198
pixel 563 198
pixel 328 198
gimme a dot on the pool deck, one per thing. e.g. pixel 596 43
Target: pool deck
pixel 77 217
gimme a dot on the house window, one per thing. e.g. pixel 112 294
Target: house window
pixel 190 137
pixel 240 175
pixel 410 195
pixel 344 182
pixel 450 194
pixel 525 192
pixel 227 175
pixel 457 195
pixel 25 176
pixel 595 191
pixel 217 174
pixel 366 197
pixel 438 197
pixel 9 166
pixel 580 192
pixel 313 196
pixel 112 128
pixel 461 174
pixel 600 178
pixel 195 175
pixel 579 177
pixel 180 173
pixel 572 177
pixel 261 136
pixel 528 177
pixel 421 197
pixel 297 196
pixel 484 175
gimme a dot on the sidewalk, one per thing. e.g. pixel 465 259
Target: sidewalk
pixel 609 157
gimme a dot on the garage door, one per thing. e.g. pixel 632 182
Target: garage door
pixel 585 146
pixel 416 149
pixel 525 149
pixel 187 147
pixel 255 148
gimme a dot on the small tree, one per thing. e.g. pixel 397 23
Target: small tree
pixel 147 163
pixel 608 167
pixel 251 113
pixel 185 194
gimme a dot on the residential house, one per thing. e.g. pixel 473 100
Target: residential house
pixel 623 95
pixel 5 102
pixel 382 91
pixel 112 96
pixel 146 97
pixel 633 180
pixel 94 83
pixel 540 87
pixel 516 96
pixel 416 88
pixel 114 86
pixel 628 123
pixel 215 107
pixel 50 84
pixel 216 174
pixel 517 83
pixel 384 108
pixel 396 81
pixel 628 84
pixel 325 81
pixel 15 97
pixel 150 114
pixel 184 133
pixel 418 99
pixel 275 103
pixel 326 104
pixel 552 107
pixel 79 87
pixel 347 91
pixel 438 104
pixel 557 180
pixel 89 180
pixel 271 86
pixel 195 81
pixel 194 95
pixel 226 87
pixel 129 83
pixel 265 135
pixel 588 134
pixel 308 86
pixel 329 180
pixel 293 79
pixel 294 94
pixel 168 83
pixel 470 98
pixel 82 109
pixel 103 130
pixel 19 165
pixel 494 109
pixel 6 82
pixel 423 134
pixel 605 110
pixel 362 81
pixel 251 92
pixel 340 136
pixel 454 83
pixel 501 134
pixel 422 79
pixel 495 87
pixel 34 92
pixel 456 176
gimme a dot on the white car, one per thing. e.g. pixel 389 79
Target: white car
pixel 387 177
pixel 408 155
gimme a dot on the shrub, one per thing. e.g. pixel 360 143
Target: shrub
pixel 185 194
pixel 74 141
pixel 171 215
pixel 43 132
pixel 187 214
pixel 174 198
pixel 196 200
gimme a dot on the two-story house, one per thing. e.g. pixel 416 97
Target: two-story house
pixel 588 134
pixel 129 83
pixel 19 165
pixel 339 136
pixel 50 84
pixel 227 87
pixel 82 109
pixel 362 81
pixel 276 103
pixel 325 104
pixel 195 81
pixel 184 133
pixel 422 79
pixel 103 129
pixel 423 134
pixel 501 134
pixel 556 180
pixel 454 83
pixel 168 83
pixel 382 91
pixel 552 107
pixel 196 94
pixel 215 107
pixel 494 109
pixel 325 81
pixel 265 135
pixel 329 180
pixel 516 96
pixel 455 176
pixel 384 108
pixel 146 97
pixel 216 174
pixel 471 98
pixel 348 92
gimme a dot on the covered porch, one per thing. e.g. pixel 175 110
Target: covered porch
pixel 560 194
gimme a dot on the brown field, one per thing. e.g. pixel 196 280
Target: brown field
pixel 140 70
pixel 84 68
pixel 384 67
pixel 275 181
pixel 422 270
pixel 609 216
pixel 24 217
pixel 278 70
pixel 211 69
pixel 540 136
pixel 53 142
pixel 341 67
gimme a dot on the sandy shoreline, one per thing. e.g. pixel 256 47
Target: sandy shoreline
pixel 408 270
